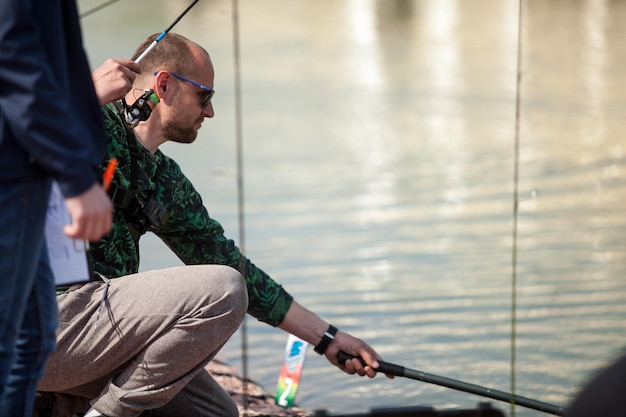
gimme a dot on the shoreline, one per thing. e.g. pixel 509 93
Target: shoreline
pixel 260 402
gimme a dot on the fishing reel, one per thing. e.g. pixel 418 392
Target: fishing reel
pixel 141 109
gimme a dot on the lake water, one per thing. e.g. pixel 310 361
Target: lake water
pixel 379 179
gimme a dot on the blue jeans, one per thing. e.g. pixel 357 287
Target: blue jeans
pixel 28 306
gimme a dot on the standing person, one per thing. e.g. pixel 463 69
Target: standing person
pixel 50 129
pixel 140 341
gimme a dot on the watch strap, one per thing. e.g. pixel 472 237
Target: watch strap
pixel 329 336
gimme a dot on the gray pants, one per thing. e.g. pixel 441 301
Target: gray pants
pixel 145 346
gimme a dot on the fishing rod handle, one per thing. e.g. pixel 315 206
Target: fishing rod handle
pixel 384 367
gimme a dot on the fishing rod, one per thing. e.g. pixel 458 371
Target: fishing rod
pixel 141 109
pixel 165 32
pixel 397 370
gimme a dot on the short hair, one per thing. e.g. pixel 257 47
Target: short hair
pixel 172 53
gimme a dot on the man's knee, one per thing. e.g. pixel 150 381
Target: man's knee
pixel 238 291
pixel 223 288
pixel 213 288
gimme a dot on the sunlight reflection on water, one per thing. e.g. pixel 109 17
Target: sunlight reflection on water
pixel 379 161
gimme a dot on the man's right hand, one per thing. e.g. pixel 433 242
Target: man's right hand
pixel 113 79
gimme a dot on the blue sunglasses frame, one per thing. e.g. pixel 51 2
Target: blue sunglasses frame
pixel 209 91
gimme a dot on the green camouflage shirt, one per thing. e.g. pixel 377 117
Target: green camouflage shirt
pixel 190 232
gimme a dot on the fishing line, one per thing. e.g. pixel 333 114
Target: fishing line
pixel 515 208
pixel 240 194
pixel 95 9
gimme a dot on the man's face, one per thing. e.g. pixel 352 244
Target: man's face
pixel 187 110
pixel 184 121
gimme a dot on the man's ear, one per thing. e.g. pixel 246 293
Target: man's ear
pixel 161 84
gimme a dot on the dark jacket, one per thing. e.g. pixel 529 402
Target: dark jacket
pixel 50 122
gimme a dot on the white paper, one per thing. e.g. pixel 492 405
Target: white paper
pixel 68 257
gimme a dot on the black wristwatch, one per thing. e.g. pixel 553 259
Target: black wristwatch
pixel 328 337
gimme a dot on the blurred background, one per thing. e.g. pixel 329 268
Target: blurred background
pixel 379 176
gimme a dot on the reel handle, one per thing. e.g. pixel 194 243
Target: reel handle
pixel 384 367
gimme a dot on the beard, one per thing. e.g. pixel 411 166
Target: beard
pixel 177 127
pixel 175 132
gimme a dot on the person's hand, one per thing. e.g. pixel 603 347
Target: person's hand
pixel 91 213
pixel 356 347
pixel 114 78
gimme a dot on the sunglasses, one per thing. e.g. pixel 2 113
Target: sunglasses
pixel 206 97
